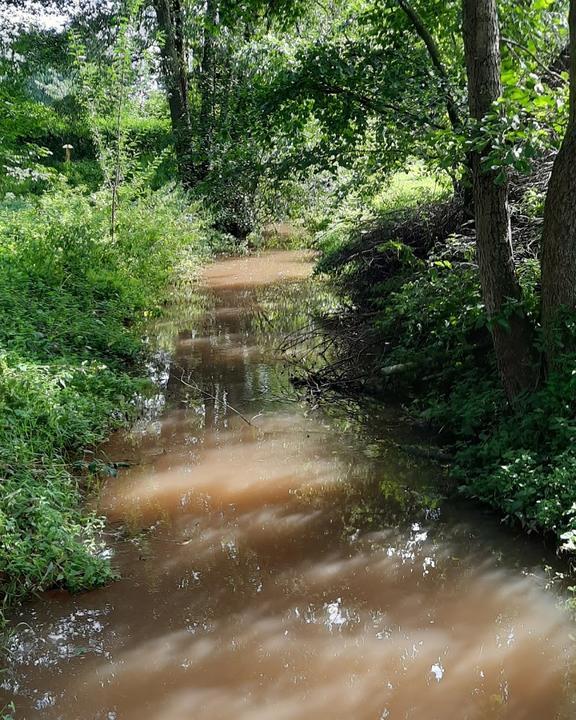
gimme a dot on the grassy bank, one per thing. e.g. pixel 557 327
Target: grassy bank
pixel 415 315
pixel 70 294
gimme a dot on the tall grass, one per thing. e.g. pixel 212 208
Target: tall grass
pixel 69 356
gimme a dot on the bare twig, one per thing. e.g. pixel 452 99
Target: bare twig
pixel 198 389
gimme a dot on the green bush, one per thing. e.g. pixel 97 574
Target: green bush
pixel 69 296
pixel 520 460
pixel 33 133
pixel 525 463
pixel 426 316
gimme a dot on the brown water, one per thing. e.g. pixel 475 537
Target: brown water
pixel 281 564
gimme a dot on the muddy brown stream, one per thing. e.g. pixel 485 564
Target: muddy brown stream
pixel 282 563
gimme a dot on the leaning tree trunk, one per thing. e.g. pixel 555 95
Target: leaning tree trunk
pixel 511 331
pixel 462 187
pixel 436 59
pixel 559 233
pixel 173 49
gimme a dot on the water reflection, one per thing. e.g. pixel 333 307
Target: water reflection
pixel 260 577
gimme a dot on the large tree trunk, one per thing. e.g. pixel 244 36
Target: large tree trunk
pixel 559 233
pixel 174 54
pixel 511 331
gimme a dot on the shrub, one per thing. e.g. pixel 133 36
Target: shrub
pixel 70 294
pixel 416 297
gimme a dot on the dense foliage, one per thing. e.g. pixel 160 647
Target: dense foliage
pixel 411 275
pixel 68 296
pixel 354 125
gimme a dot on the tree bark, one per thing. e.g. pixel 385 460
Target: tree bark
pixel 174 54
pixel 559 231
pixel 511 331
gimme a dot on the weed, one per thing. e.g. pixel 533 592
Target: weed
pixel 70 298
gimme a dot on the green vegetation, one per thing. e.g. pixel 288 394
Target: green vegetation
pixel 91 237
pixel 417 299
pixel 136 133
pixel 69 362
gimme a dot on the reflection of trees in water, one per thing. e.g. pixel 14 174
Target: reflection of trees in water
pixel 231 354
pixel 268 589
pixel 268 605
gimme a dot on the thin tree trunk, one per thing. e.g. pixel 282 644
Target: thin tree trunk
pixel 206 87
pixel 436 59
pixel 174 54
pixel 118 153
pixel 559 232
pixel 511 331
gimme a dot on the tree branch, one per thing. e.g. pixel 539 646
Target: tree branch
pixel 434 53
pixel 373 104
pixel 541 65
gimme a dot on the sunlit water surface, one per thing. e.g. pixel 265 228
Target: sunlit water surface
pixel 279 563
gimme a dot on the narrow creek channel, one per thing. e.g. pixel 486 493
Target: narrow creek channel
pixel 255 585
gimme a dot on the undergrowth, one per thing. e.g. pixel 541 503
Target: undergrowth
pixel 413 298
pixel 70 295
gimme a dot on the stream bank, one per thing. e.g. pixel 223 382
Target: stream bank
pixel 282 562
